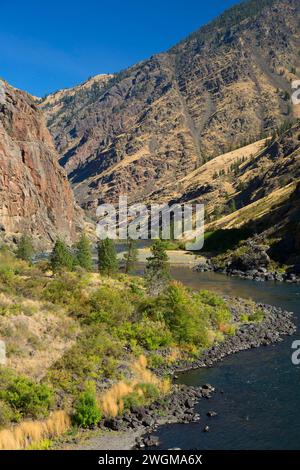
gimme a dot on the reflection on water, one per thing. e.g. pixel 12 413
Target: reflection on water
pixel 260 406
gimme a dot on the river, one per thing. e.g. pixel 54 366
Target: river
pixel 260 404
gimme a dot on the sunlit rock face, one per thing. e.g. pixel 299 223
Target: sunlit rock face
pixel 35 196
pixel 149 126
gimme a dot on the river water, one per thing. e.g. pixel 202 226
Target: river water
pixel 260 404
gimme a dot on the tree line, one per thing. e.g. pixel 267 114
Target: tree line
pixel 65 258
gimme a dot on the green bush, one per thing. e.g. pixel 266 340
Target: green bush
pixel 94 355
pixel 155 361
pixel 110 306
pixel 6 275
pixel 68 289
pixel 149 334
pixel 152 308
pixel 257 316
pixel 6 414
pixel 25 250
pixel 183 316
pixel 210 298
pixel 149 393
pixel 214 307
pixel 86 410
pixel 25 396
pixel 132 400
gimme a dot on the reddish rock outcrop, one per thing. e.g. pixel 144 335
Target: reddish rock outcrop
pixel 35 196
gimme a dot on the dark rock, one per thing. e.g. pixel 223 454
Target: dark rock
pixel 212 414
pixel 151 441
pixel 189 403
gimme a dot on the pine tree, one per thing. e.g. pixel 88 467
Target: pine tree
pixel 61 257
pixel 25 249
pixel 131 256
pixel 84 254
pixel 107 257
pixel 157 272
pixel 232 206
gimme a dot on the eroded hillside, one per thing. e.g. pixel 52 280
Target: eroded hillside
pixel 224 86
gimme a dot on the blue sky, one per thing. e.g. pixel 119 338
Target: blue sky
pixel 55 44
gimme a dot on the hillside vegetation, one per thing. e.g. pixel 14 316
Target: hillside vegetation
pixel 147 127
pixel 89 345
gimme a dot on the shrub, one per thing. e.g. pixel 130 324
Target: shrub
pixel 87 359
pixel 86 410
pixel 25 249
pixel 257 316
pixel 10 266
pixel 150 391
pixel 110 305
pixel 149 334
pixel 142 394
pixel 184 317
pixel 6 414
pixel 6 275
pixel 209 298
pixel 27 397
pixel 68 289
pixel 215 308
pixel 132 400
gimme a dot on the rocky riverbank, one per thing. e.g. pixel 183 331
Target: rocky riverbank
pixel 260 274
pixel 275 325
pixel 137 427
pixel 249 261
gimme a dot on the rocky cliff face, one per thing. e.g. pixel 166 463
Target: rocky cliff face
pixel 158 121
pixel 35 196
pixel 263 194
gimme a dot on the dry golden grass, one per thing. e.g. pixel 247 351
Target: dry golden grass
pixel 253 211
pixel 30 432
pixel 112 401
pixel 36 334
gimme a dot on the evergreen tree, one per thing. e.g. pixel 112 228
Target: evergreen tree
pixel 107 257
pixel 25 249
pixel 131 256
pixel 61 257
pixel 84 254
pixel 232 207
pixel 157 272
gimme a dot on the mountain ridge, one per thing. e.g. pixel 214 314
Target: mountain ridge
pixel 165 116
